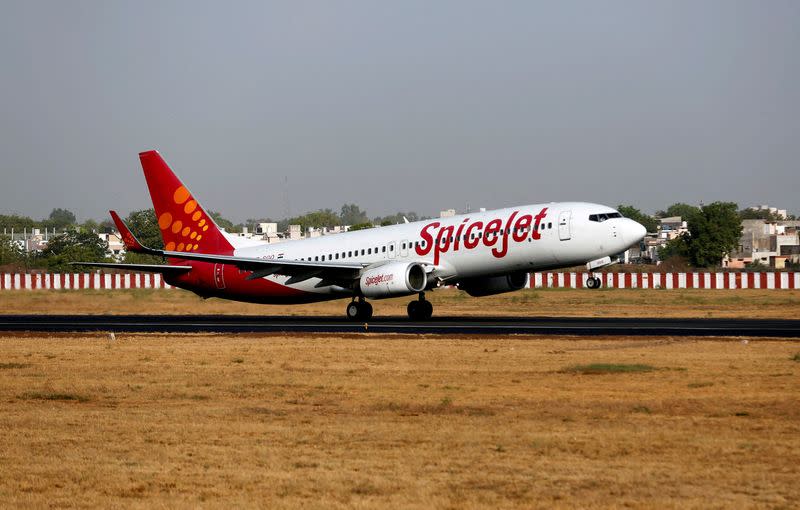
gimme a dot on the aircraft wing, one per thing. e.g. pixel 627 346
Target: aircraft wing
pixel 144 268
pixel 333 272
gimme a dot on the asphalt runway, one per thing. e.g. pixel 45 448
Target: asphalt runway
pixel 438 325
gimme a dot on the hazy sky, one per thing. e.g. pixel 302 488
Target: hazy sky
pixel 399 105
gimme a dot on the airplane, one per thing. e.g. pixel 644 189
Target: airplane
pixel 483 253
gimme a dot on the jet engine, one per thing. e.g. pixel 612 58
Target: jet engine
pixel 488 285
pixel 393 279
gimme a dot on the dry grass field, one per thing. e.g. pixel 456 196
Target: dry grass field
pixel 374 421
pixel 544 302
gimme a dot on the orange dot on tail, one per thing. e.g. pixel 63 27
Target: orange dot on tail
pixel 196 215
pixel 190 206
pixel 180 247
pixel 199 237
pixel 205 228
pixel 202 222
pixel 194 234
pixel 170 246
pixel 185 231
pixel 177 226
pixel 165 220
pixel 180 195
pixel 196 246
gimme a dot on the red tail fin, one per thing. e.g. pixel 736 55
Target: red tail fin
pixel 131 243
pixel 185 225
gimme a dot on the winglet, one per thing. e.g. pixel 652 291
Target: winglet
pixel 131 243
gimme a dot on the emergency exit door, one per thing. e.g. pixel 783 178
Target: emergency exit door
pixel 564 223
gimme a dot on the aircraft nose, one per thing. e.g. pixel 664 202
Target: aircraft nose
pixel 633 231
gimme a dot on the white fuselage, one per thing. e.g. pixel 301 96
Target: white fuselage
pixel 526 238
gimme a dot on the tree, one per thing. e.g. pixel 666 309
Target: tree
pixel 678 247
pixel 144 226
pixel 352 214
pixel 60 219
pixel 650 223
pixel 758 214
pixel 10 252
pixel 317 219
pixel 223 222
pixel 73 246
pixel 394 219
pixel 15 222
pixel 685 211
pixel 715 232
pixel 361 226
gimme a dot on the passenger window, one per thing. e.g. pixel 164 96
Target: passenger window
pixel 549 225
pixel 384 249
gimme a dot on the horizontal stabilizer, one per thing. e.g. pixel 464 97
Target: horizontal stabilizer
pixel 144 268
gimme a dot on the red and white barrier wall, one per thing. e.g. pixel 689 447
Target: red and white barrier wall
pixel 12 281
pixel 670 280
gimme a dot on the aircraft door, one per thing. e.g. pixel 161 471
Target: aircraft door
pixel 564 225
pixel 219 276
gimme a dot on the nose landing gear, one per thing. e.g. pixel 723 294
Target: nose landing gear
pixel 359 310
pixel 420 310
pixel 593 282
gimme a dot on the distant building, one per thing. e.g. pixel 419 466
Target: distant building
pixel 769 243
pixel 780 214
pixel 116 247
pixel 447 213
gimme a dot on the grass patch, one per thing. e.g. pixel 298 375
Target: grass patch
pixel 64 397
pixel 444 406
pixel 12 365
pixel 237 360
pixel 607 368
pixel 796 357
pixel 642 409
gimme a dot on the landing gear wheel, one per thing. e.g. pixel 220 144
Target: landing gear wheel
pixel 353 310
pixel 366 310
pixel 359 311
pixel 420 310
pixel 593 283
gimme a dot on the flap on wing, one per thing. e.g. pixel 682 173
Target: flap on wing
pixel 144 268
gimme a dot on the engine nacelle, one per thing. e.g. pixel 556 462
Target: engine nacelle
pixel 393 279
pixel 486 286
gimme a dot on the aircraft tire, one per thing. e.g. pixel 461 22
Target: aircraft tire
pixel 366 311
pixel 427 309
pixel 353 310
pixel 419 310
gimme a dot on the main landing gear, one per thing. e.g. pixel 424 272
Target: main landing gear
pixel 593 282
pixel 420 310
pixel 359 310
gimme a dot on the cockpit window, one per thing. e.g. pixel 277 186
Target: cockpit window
pixel 604 216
